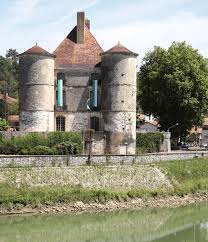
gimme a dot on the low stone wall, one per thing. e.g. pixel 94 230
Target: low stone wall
pixel 116 178
pixel 80 160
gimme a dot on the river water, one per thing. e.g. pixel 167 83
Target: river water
pixel 186 224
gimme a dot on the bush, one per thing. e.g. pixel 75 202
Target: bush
pixel 1 137
pixel 24 152
pixel 59 137
pixel 67 148
pixel 4 125
pixel 14 145
pixel 149 142
pixel 41 144
pixel 44 150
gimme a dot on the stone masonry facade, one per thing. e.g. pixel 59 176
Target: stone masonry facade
pixel 80 87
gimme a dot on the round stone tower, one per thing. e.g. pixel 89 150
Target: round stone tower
pixel 36 90
pixel 118 70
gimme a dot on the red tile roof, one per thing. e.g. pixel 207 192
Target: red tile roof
pixel 119 48
pixel 9 99
pixel 71 54
pixel 13 118
pixel 36 50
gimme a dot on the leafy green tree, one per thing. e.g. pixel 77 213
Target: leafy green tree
pixel 12 54
pixel 173 86
pixel 9 73
pixel 4 125
pixel 9 81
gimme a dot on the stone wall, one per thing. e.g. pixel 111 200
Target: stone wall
pixel 116 178
pixel 81 160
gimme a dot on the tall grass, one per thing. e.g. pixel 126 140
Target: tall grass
pixel 64 194
pixel 187 176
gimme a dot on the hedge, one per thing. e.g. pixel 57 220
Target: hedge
pixel 149 142
pixel 62 143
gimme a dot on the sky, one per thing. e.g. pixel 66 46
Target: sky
pixel 138 24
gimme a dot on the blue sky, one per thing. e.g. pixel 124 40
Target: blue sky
pixel 138 24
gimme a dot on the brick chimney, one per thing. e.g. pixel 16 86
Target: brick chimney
pixel 87 23
pixel 80 27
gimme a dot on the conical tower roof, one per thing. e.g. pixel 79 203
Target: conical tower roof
pixel 37 50
pixel 120 49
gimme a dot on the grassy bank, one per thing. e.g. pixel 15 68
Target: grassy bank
pixel 36 196
pixel 187 177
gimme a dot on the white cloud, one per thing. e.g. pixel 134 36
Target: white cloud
pixel 143 35
pixel 22 10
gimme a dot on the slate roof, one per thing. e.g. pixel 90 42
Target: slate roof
pixel 71 54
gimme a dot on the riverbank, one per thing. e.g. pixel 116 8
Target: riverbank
pixel 77 189
pixel 80 207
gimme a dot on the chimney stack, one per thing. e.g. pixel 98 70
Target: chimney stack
pixel 87 23
pixel 80 27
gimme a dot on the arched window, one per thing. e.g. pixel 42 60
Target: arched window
pixel 60 123
pixel 95 123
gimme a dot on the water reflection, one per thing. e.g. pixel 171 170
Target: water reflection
pixel 157 225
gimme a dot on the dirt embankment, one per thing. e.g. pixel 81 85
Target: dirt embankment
pixel 79 206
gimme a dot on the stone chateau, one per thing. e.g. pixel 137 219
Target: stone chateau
pixel 80 87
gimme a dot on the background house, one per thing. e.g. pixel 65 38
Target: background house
pixel 146 124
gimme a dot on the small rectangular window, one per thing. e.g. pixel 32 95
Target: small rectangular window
pixel 60 123
pixel 95 123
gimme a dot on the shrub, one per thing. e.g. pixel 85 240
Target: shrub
pixel 43 150
pixel 59 137
pixel 4 125
pixel 24 152
pixel 1 137
pixel 149 142
pixel 67 148
pixel 41 144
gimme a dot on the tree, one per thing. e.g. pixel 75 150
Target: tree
pixel 12 54
pixel 9 73
pixel 9 81
pixel 173 86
